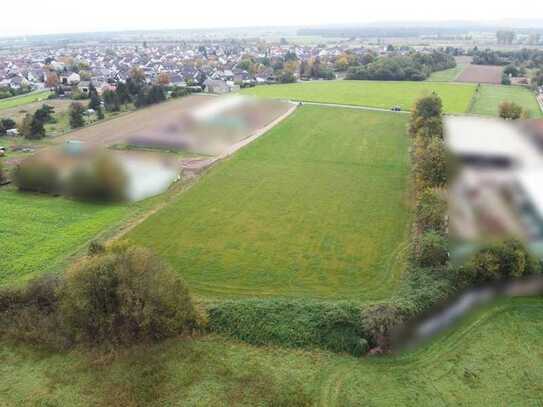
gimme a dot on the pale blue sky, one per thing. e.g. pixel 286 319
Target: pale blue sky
pixel 60 16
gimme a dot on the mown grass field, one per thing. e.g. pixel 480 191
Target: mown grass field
pixel 447 75
pixel 316 208
pixel 489 98
pixel 38 232
pixel 456 97
pixel 493 358
pixel 23 100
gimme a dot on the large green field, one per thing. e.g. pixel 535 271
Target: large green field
pixel 23 100
pixel 493 358
pixel 316 208
pixel 38 232
pixel 447 75
pixel 456 97
pixel 489 97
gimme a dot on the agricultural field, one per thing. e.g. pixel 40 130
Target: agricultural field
pixel 489 97
pixel 17 113
pixel 456 97
pixel 16 101
pixel 288 215
pixel 447 75
pixel 492 358
pixel 481 74
pixel 41 231
pixel 142 121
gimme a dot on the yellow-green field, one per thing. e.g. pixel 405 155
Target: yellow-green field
pixel 456 97
pixel 38 232
pixel 23 100
pixel 315 208
pixel 447 75
pixel 489 97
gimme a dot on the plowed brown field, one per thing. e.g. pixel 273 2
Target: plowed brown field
pixel 481 74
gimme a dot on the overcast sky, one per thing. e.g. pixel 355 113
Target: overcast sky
pixel 64 16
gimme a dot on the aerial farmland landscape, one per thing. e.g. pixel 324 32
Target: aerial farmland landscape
pixel 271 211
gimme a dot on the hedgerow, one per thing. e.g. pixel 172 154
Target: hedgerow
pixel 292 323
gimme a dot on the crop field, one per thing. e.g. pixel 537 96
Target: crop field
pixel 481 74
pixel 493 358
pixel 143 121
pixel 15 101
pixel 456 97
pixel 38 232
pixel 447 75
pixel 489 97
pixel 289 215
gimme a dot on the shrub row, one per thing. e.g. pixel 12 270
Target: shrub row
pixel 293 323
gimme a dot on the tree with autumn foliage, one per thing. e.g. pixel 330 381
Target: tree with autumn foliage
pixel 164 78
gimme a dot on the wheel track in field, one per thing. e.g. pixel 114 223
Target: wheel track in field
pixel 419 360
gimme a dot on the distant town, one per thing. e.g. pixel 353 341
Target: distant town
pixel 224 65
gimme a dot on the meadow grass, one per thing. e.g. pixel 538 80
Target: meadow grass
pixel 317 207
pixel 456 97
pixel 489 97
pixel 20 100
pixel 38 232
pixel 447 75
pixel 492 358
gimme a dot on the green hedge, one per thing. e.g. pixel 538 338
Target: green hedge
pixel 293 323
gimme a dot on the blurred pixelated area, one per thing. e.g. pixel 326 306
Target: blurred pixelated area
pixel 133 158
pixel 495 183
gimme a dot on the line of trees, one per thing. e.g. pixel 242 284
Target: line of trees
pixel 136 91
pixel 413 67
pixel 429 173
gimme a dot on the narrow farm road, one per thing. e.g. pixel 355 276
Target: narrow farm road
pixel 339 105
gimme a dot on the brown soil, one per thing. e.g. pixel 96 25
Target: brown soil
pixel 481 74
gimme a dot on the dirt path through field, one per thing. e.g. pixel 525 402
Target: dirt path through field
pixel 375 109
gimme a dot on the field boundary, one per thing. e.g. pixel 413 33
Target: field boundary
pixel 342 106
pixel 473 100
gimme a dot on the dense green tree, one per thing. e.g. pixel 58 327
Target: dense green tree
pixel 76 115
pixel 123 93
pixel 426 118
pixel 125 295
pixel 95 102
pixel 44 113
pixel 502 260
pixel 111 101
